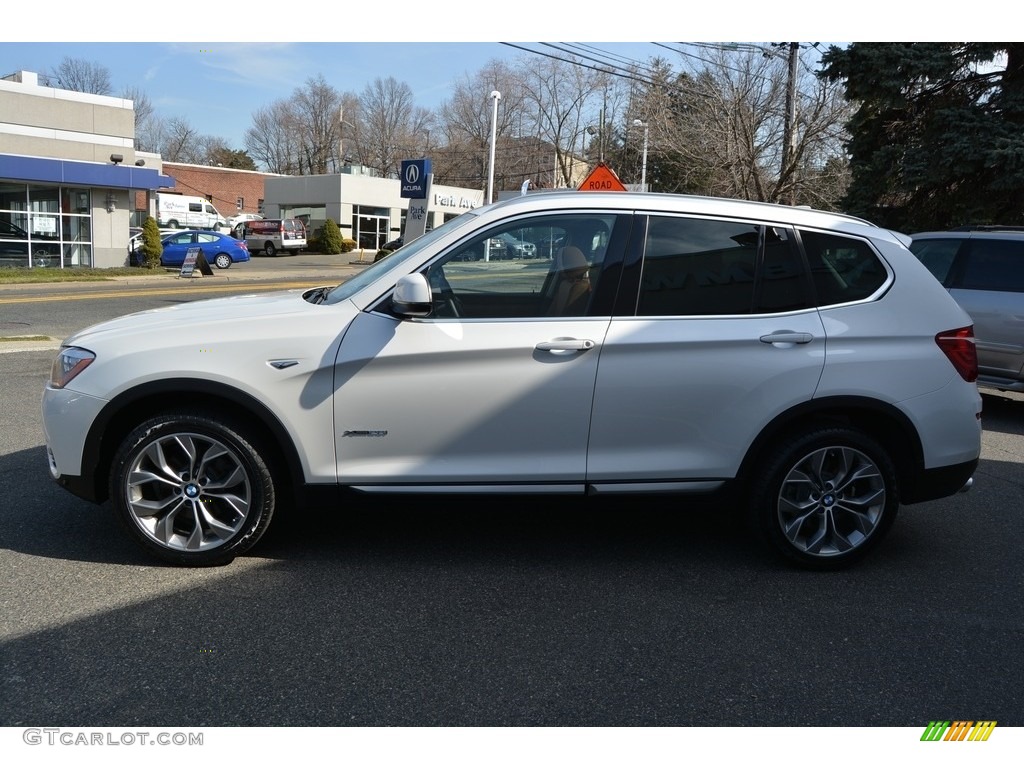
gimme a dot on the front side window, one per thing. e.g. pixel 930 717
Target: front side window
pixel 542 267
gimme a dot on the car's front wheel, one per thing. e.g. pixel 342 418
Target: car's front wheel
pixel 223 261
pixel 826 498
pixel 192 489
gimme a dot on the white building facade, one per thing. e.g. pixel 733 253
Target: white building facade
pixel 368 209
pixel 68 175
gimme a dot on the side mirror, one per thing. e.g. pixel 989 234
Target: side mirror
pixel 412 296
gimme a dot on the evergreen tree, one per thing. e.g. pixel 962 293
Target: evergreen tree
pixel 152 248
pixel 938 134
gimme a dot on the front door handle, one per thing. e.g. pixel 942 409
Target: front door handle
pixel 787 338
pixel 565 345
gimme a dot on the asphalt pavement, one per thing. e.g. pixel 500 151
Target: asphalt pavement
pixel 262 272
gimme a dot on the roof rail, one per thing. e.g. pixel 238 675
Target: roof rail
pixel 989 228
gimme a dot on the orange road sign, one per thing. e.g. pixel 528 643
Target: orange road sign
pixel 602 179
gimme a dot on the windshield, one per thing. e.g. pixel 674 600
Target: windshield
pixel 372 273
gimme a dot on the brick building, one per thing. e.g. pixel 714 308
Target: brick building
pixel 230 190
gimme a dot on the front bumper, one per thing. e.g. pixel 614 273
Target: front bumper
pixel 67 417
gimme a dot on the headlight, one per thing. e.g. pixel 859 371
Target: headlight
pixel 69 362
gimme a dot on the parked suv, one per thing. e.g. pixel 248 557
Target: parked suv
pixel 983 269
pixel 802 367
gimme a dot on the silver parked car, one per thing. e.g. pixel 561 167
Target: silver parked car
pixel 983 269
pixel 802 367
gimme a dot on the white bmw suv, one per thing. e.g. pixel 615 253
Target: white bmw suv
pixel 799 365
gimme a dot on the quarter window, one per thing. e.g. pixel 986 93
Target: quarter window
pixel 843 269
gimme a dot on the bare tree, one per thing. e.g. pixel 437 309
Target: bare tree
pixel 80 75
pixel 562 100
pixel 390 125
pixel 464 127
pixel 720 129
pixel 144 115
pixel 271 140
pixel 181 142
pixel 315 112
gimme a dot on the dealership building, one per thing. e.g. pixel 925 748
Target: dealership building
pixel 68 174
pixel 72 184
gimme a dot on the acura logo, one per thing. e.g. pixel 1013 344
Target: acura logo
pixel 412 174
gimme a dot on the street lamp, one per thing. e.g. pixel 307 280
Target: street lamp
pixel 643 168
pixel 494 133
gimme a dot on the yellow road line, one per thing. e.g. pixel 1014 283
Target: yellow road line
pixel 115 292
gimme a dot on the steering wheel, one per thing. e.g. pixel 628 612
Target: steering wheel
pixel 446 297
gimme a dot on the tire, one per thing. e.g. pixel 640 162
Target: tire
pixel 173 223
pixel 192 489
pixel 223 261
pixel 269 249
pixel 825 499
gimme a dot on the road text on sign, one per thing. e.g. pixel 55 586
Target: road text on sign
pixel 602 179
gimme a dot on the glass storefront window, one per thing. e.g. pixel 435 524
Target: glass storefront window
pixel 45 226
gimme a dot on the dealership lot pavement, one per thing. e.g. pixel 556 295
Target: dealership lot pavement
pixel 536 612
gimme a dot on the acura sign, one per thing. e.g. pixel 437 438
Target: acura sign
pixel 415 174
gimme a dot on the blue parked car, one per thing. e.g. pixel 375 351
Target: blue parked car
pixel 220 250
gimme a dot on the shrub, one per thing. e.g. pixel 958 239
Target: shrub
pixel 152 249
pixel 347 245
pixel 330 239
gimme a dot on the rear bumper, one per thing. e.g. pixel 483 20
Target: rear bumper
pixel 939 482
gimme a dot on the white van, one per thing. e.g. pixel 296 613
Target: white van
pixel 271 236
pixel 186 212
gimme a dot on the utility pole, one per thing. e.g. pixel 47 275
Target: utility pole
pixel 789 127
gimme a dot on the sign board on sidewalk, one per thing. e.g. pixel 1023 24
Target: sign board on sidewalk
pixel 194 258
pixel 602 179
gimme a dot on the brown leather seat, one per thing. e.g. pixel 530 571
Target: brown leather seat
pixel 571 293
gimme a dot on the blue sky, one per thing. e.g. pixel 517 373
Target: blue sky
pixel 217 86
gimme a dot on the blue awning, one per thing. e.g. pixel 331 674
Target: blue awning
pixel 46 169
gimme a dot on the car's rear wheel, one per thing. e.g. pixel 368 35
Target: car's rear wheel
pixel 223 261
pixel 172 224
pixel 192 489
pixel 826 498
pixel 269 249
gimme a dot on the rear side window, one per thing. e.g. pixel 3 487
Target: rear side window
pixel 994 265
pixel 937 255
pixel 843 269
pixel 712 267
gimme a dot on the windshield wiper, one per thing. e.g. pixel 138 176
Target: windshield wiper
pixel 317 295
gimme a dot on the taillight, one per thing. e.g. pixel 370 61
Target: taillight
pixel 958 345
